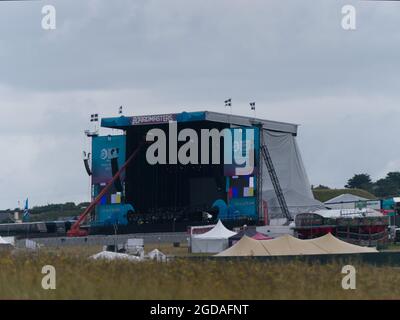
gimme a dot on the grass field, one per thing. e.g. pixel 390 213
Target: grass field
pixel 80 278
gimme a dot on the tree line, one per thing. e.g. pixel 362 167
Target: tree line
pixel 388 186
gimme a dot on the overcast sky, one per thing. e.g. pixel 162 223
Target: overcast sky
pixel 292 57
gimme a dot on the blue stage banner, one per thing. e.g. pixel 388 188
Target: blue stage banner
pixel 105 148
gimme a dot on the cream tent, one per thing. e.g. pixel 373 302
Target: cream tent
pixel 333 245
pixel 246 246
pixel 290 246
pixel 213 241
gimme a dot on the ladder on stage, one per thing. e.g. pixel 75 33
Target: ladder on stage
pixel 275 182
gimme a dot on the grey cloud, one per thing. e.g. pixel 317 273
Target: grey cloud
pixel 151 56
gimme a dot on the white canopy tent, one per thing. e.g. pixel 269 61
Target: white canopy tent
pixel 213 241
pixel 344 201
pixel 5 245
pixel 157 255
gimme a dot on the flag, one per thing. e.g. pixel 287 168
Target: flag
pixel 94 117
pixel 228 103
pixel 26 211
pixel 253 106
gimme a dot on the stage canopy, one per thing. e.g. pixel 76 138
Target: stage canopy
pixel 290 246
pixel 292 176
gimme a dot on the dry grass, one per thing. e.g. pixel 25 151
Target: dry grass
pixel 80 278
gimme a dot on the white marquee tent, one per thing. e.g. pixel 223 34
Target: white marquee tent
pixel 5 245
pixel 344 201
pixel 213 241
pixel 157 255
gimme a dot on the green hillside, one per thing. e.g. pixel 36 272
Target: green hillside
pixel 50 212
pixel 327 194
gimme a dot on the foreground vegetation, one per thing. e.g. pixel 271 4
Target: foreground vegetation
pixel 80 278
